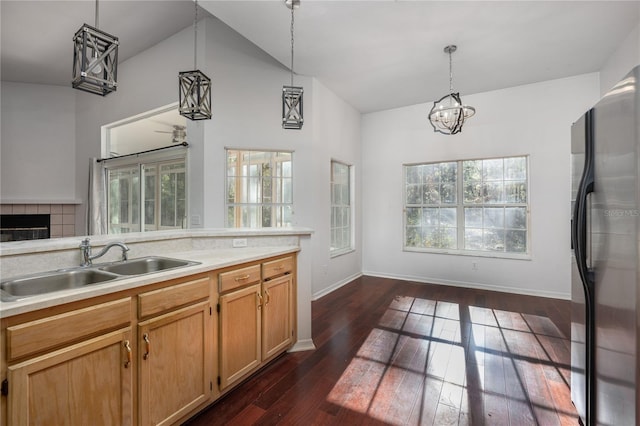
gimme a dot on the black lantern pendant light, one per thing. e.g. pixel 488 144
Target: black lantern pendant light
pixel 194 86
pixel 448 114
pixel 292 117
pixel 95 60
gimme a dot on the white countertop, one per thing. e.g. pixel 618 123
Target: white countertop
pixel 209 260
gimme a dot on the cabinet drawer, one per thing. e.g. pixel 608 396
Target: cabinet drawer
pixel 37 336
pixel 164 299
pixel 239 278
pixel 277 267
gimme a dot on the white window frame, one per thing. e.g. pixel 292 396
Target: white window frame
pixel 279 206
pixel 338 214
pixel 157 159
pixel 460 217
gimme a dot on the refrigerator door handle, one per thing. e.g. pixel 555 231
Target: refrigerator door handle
pixel 579 240
pixel 579 231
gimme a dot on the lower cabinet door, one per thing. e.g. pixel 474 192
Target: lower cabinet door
pixel 89 383
pixel 175 364
pixel 277 332
pixel 240 333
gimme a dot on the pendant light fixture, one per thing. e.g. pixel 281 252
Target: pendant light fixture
pixel 194 86
pixel 95 60
pixel 448 114
pixel 292 114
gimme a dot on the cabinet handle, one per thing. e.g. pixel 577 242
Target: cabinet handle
pixel 243 278
pixel 267 297
pixel 145 337
pixel 278 268
pixel 259 299
pixel 127 347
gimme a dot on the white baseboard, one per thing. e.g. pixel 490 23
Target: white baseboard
pixel 303 345
pixel 334 287
pixel 479 286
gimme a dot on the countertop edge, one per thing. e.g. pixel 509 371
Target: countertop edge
pixel 209 260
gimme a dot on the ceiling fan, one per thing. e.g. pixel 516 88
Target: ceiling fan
pixel 178 134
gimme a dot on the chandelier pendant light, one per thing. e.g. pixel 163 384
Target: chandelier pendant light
pixel 194 86
pixel 292 112
pixel 448 114
pixel 95 59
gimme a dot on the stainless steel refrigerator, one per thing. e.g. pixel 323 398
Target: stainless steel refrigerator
pixel 605 316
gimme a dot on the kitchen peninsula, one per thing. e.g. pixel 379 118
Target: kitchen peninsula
pixel 243 300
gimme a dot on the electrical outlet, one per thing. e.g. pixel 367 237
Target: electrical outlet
pixel 474 266
pixel 195 219
pixel 239 242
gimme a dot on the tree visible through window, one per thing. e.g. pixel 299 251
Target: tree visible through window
pixel 470 205
pixel 259 189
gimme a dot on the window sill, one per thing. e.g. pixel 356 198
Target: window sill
pixel 341 252
pixel 494 255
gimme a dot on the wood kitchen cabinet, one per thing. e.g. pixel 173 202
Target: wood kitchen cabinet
pixel 175 351
pixel 81 382
pixel 277 312
pixel 256 317
pixel 149 355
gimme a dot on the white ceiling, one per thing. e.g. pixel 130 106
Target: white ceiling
pixel 384 54
pixel 375 54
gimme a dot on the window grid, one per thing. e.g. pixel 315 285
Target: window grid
pixel 341 222
pixel 490 213
pixel 259 189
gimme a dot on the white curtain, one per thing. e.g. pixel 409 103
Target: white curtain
pixel 97 206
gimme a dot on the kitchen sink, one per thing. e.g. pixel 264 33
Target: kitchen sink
pixel 145 265
pixel 48 282
pixel 52 281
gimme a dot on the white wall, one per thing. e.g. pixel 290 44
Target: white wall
pixel 621 61
pixel 529 120
pixel 336 137
pixel 37 143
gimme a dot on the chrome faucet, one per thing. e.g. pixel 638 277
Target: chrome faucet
pixel 87 257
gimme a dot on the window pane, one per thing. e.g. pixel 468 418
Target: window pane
pixel 492 169
pixel 493 239
pixel 515 192
pixel 516 241
pixel 493 192
pixel 472 170
pixel 494 203
pixel 493 217
pixel 516 217
pixel 413 237
pixel 431 194
pixel 414 194
pixel 473 239
pixel 473 193
pixel 515 168
pixel 473 218
pixel 448 217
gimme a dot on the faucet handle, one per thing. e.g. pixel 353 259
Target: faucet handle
pixel 85 243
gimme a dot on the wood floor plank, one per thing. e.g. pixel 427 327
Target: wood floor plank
pixel 393 352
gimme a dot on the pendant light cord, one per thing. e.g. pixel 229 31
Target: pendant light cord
pixel 292 22
pixel 450 74
pixel 97 15
pixel 195 37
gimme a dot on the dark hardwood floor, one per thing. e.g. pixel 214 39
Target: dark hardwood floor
pixel 399 353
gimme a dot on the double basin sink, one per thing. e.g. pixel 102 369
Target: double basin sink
pixel 48 282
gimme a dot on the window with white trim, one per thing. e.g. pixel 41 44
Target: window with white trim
pixel 341 212
pixel 259 189
pixel 467 206
pixel 164 193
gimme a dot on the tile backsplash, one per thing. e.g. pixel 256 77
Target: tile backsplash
pixel 63 216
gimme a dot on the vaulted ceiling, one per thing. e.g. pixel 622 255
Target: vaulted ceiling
pixel 376 54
